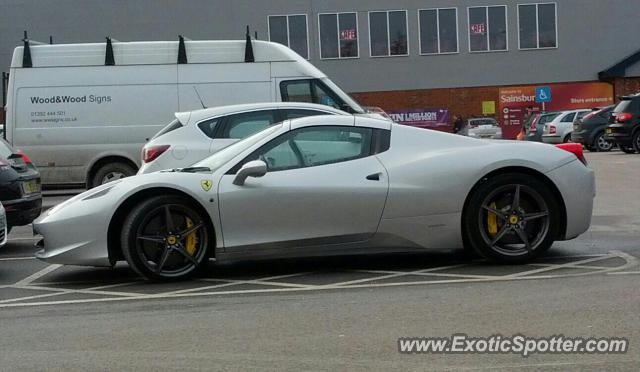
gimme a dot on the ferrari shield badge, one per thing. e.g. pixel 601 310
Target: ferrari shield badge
pixel 206 184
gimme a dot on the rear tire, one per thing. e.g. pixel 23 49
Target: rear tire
pixel 165 238
pixel 111 172
pixel 518 234
pixel 636 141
pixel 600 144
pixel 627 149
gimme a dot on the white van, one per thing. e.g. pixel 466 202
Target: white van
pixel 83 111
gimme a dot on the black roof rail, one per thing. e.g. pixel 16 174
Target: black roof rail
pixel 182 51
pixel 248 49
pixel 109 59
pixel 26 52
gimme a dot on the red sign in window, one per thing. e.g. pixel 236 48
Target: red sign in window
pixel 478 29
pixel 349 34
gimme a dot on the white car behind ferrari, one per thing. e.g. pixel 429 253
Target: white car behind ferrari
pixel 328 185
pixel 194 135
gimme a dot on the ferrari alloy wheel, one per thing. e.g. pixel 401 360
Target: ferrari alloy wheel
pixel 512 218
pixel 166 238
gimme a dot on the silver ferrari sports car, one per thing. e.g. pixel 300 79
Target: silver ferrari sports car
pixel 328 185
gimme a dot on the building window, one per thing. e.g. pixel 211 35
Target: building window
pixel 291 31
pixel 487 28
pixel 538 26
pixel 388 32
pixel 338 35
pixel 438 30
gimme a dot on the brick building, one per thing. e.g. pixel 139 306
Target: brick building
pixel 398 55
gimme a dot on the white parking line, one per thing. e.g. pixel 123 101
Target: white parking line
pixel 39 274
pixel 630 262
pixel 16 258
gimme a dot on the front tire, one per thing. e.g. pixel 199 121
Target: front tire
pixel 165 238
pixel 636 141
pixel 512 218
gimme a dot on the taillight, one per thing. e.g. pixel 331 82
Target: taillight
pixel 552 129
pixel 534 124
pixel 623 117
pixel 574 148
pixel 150 154
pixel 24 157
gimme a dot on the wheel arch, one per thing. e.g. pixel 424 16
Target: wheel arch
pixel 115 224
pixel 522 170
pixel 98 163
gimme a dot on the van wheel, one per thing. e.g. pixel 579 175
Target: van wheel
pixel 111 172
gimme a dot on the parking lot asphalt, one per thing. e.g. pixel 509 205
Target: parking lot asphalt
pixel 337 312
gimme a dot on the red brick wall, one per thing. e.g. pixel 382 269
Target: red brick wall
pixel 460 101
pixel 626 86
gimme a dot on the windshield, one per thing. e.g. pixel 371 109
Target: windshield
pixel 348 99
pixel 225 155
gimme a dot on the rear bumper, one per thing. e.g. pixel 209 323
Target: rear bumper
pixel 23 211
pixel 583 137
pixel 619 133
pixel 551 139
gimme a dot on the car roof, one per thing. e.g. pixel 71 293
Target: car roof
pixel 202 114
pixel 347 121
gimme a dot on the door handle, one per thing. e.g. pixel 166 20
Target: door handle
pixel 374 177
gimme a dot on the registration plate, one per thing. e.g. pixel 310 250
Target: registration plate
pixel 609 130
pixel 30 187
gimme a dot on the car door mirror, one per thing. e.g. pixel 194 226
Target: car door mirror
pixel 255 168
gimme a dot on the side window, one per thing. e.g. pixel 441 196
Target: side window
pixel 299 113
pixel 309 91
pixel 209 127
pixel 243 125
pixel 569 118
pixel 313 146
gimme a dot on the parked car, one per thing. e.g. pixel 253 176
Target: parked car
pixel 624 124
pixel 559 129
pixel 482 128
pixel 534 132
pixel 589 130
pixel 71 100
pixel 3 226
pixel 194 135
pixel 19 186
pixel 329 185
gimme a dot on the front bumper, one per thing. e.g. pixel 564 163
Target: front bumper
pixel 23 211
pixel 75 234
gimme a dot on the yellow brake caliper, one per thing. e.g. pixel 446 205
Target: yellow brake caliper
pixel 492 221
pixel 192 239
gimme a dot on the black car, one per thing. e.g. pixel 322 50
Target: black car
pixel 624 124
pixel 589 130
pixel 19 186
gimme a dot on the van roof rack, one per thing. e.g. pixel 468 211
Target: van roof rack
pixel 248 49
pixel 27 62
pixel 182 51
pixel 109 59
